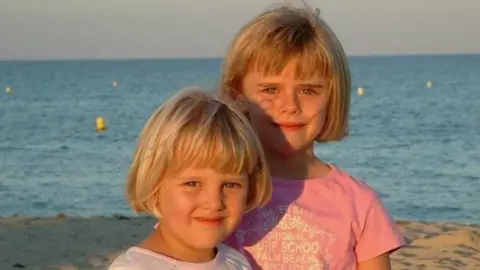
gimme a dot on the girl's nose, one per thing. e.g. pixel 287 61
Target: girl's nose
pixel 289 104
pixel 214 199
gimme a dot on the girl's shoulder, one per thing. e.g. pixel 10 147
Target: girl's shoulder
pixel 139 259
pixel 234 260
pixel 336 184
pixel 350 183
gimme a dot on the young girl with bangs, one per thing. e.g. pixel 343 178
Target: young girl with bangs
pixel 289 72
pixel 198 168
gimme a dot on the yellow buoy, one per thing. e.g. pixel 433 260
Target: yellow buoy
pixel 115 84
pixel 8 89
pixel 429 84
pixel 100 123
pixel 360 91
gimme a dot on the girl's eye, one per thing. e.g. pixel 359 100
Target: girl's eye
pixel 192 184
pixel 270 90
pixel 309 91
pixel 232 185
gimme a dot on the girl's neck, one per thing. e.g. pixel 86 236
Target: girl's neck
pixel 299 166
pixel 166 244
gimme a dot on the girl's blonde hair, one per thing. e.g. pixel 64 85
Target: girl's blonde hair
pixel 283 33
pixel 195 129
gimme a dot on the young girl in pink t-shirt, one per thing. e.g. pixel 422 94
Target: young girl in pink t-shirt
pixel 289 72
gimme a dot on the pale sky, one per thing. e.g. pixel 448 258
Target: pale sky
pixel 72 29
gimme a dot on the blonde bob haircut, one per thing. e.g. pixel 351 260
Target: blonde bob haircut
pixel 193 129
pixel 284 33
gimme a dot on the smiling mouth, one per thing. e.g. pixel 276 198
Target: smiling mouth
pixel 210 221
pixel 290 126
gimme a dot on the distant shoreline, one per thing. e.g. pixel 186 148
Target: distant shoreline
pixel 61 216
pixel 87 59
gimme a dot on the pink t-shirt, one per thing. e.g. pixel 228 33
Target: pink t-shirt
pixel 329 223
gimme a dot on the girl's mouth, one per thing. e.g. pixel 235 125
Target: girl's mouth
pixel 290 126
pixel 210 221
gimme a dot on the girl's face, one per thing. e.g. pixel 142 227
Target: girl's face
pixel 287 113
pixel 200 208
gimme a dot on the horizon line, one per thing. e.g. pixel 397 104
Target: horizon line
pixel 379 55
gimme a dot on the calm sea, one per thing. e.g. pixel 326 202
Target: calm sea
pixel 418 146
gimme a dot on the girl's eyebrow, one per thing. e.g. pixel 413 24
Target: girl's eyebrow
pixel 199 178
pixel 190 178
pixel 265 84
pixel 312 85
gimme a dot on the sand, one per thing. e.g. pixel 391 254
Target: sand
pixel 92 243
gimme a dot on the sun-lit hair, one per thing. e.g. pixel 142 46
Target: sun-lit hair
pixel 284 33
pixel 193 129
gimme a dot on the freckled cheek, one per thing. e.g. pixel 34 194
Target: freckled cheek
pixel 177 204
pixel 315 108
pixel 260 101
pixel 266 104
pixel 236 202
pixel 322 101
pixel 262 108
pixel 317 113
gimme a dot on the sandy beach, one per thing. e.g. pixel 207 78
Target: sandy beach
pixel 92 243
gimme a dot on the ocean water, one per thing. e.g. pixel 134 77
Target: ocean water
pixel 418 147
